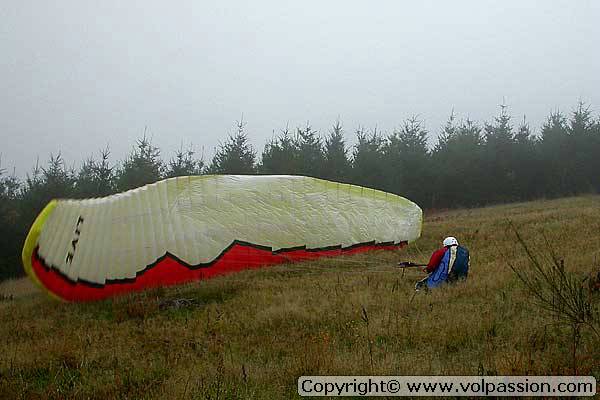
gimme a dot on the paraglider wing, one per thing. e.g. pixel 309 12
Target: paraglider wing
pixel 196 227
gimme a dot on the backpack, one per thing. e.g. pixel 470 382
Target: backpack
pixel 460 268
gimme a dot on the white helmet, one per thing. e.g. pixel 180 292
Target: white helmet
pixel 450 241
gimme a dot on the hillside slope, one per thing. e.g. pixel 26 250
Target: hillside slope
pixel 252 334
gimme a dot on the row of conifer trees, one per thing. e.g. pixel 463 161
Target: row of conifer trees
pixel 471 164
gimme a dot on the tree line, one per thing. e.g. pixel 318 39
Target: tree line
pixel 471 164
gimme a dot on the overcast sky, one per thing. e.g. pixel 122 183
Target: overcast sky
pixel 76 76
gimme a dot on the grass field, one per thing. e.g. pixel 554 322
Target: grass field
pixel 251 335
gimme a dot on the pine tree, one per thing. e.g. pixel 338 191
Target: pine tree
pixel 499 158
pixel 95 178
pixel 235 156
pixel 595 150
pixel 580 143
pixel 141 167
pixel 311 158
pixel 9 185
pixel 448 133
pixel 280 155
pixel 337 165
pixel 368 167
pixel 408 161
pixel 58 181
pixel 12 235
pixel 526 163
pixel 42 185
pixel 553 142
pixel 457 159
pixel 184 164
pixel 554 131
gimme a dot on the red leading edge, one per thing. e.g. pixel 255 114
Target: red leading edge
pixel 169 271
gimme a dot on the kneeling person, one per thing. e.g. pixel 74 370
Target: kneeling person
pixel 448 264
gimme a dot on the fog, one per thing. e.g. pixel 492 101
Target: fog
pixel 76 76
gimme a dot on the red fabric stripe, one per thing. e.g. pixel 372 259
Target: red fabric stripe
pixel 435 259
pixel 169 271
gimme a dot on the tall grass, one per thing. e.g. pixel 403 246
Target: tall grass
pixel 560 293
pixel 252 334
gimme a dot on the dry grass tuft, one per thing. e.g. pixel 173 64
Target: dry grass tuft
pixel 251 335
